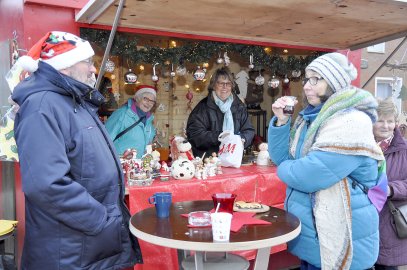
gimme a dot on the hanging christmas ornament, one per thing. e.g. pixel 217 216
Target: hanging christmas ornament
pixel 286 80
pixel 219 60
pixel 181 70
pixel 273 82
pixel 227 59
pixel 286 89
pixel 199 74
pixel 109 66
pixel 154 78
pixel 251 65
pixel 130 77
pixel 296 73
pixel 172 73
pixel 189 97
pixel 259 79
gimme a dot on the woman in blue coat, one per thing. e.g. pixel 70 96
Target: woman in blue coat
pixel 330 143
pixel 137 111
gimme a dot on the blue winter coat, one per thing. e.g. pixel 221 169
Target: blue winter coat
pixel 316 171
pixel 71 177
pixel 138 137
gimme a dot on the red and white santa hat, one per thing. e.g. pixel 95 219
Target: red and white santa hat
pixel 58 49
pixel 142 89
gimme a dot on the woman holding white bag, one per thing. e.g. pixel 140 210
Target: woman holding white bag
pixel 220 111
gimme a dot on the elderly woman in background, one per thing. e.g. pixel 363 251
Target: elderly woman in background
pixel 131 126
pixel 393 251
pixel 221 110
pixel 330 143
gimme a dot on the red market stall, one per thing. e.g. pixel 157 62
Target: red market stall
pixel 311 25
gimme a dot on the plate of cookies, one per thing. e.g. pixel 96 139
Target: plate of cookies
pixel 254 207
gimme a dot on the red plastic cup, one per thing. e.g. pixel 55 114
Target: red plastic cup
pixel 226 201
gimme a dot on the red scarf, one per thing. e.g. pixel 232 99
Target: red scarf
pixel 384 144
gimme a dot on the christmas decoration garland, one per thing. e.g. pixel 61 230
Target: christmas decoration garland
pixel 197 52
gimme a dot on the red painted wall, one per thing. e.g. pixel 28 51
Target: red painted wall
pixel 40 19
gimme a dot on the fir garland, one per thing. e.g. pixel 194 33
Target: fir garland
pixel 196 52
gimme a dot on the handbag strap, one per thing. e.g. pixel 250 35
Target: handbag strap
pixel 393 209
pixel 128 128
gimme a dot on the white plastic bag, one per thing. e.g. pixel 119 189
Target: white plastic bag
pixel 230 149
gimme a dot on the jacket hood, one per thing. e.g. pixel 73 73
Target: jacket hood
pixel 46 78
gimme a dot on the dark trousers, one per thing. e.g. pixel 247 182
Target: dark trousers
pixel 384 267
pixel 307 266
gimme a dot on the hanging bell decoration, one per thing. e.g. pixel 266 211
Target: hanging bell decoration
pixel 286 79
pixel 181 70
pixel 227 59
pixel 130 77
pixel 259 79
pixel 154 78
pixel 172 73
pixel 273 82
pixel 251 65
pixel 109 66
pixel 296 73
pixel 199 74
pixel 219 60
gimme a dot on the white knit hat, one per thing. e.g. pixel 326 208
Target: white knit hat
pixel 141 89
pixel 58 49
pixel 335 69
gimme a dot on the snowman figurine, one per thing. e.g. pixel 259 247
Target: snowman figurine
pixel 263 158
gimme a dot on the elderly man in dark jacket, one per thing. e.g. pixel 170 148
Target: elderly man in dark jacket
pixel 221 110
pixel 72 179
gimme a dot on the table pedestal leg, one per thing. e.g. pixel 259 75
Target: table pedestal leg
pixel 262 258
pixel 199 260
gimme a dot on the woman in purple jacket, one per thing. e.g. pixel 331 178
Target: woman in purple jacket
pixel 392 254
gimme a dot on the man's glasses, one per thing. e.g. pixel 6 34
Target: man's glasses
pixel 89 61
pixel 147 100
pixel 312 80
pixel 224 84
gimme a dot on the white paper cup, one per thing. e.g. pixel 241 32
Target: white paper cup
pixel 221 222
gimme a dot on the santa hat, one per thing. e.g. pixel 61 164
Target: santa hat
pixel 142 89
pixel 336 69
pixel 58 49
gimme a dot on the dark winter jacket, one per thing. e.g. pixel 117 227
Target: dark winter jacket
pixel 72 181
pixel 205 124
pixel 393 251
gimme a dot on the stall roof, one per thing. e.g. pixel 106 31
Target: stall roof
pixel 323 24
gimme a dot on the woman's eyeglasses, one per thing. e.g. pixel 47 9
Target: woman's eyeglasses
pixel 312 80
pixel 224 84
pixel 147 100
